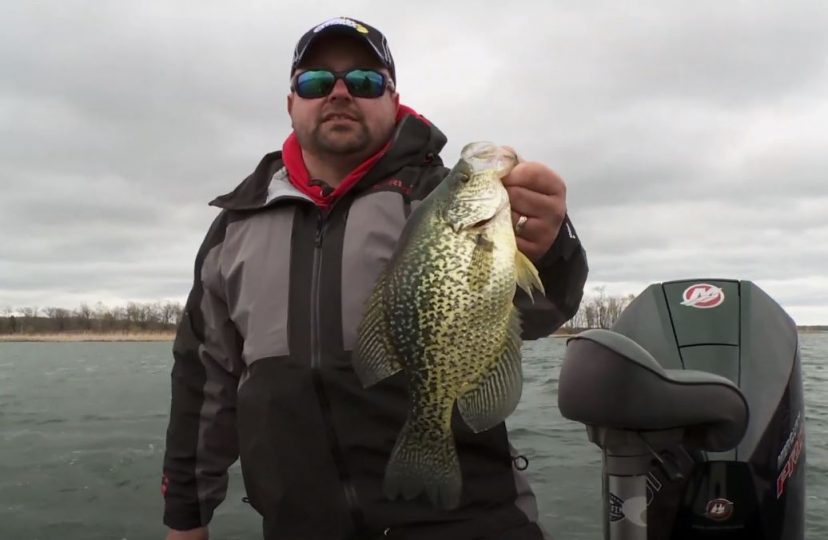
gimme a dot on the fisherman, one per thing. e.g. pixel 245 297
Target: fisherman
pixel 262 358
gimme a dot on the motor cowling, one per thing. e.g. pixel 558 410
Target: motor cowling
pixel 733 329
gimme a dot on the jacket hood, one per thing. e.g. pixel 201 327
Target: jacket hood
pixel 415 142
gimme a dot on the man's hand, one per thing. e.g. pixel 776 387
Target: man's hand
pixel 538 194
pixel 192 534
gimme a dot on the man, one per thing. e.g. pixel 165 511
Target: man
pixel 262 356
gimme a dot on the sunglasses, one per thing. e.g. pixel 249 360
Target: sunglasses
pixel 361 83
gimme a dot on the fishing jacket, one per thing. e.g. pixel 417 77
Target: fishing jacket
pixel 262 364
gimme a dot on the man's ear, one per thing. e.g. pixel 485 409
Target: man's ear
pixel 290 103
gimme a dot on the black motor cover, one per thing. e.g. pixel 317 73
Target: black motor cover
pixel 733 329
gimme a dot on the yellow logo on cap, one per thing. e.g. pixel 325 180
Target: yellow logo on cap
pixel 343 21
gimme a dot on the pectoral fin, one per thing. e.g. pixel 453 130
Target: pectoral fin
pixel 527 275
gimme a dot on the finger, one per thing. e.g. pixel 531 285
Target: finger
pixel 537 230
pixel 536 177
pixel 533 204
pixel 519 229
pixel 531 249
pixel 533 229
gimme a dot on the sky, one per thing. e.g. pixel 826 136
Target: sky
pixel 691 136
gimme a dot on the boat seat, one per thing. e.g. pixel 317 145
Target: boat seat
pixel 608 380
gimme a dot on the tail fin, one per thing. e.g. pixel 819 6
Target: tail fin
pixel 421 464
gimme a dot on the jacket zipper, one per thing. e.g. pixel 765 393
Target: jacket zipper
pixel 316 363
pixel 316 277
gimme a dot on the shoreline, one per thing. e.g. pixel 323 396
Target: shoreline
pixel 80 337
pixel 88 337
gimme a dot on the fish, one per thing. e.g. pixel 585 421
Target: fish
pixel 442 311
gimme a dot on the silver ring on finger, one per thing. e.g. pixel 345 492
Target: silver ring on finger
pixel 520 223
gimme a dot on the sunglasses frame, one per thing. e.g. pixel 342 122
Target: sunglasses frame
pixel 387 83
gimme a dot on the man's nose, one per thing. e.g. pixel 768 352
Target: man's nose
pixel 340 90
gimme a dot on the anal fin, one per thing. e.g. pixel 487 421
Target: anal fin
pixel 498 393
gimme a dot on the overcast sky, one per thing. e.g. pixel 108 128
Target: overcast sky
pixel 693 136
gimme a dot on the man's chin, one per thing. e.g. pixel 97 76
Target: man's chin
pixel 343 146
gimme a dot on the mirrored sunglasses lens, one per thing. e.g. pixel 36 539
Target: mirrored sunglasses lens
pixel 365 83
pixel 314 84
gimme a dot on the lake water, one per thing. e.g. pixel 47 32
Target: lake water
pixel 82 441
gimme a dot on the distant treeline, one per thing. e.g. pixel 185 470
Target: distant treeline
pixel 597 310
pixel 132 317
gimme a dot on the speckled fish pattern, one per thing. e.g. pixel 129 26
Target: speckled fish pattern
pixel 442 311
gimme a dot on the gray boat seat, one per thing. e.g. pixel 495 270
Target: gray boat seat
pixel 610 381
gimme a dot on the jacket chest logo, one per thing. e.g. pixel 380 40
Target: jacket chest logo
pixel 392 184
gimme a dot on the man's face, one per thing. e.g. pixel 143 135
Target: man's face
pixel 340 124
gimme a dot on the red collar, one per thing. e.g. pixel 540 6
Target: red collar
pixel 300 178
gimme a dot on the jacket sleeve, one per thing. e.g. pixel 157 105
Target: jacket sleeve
pixel 563 271
pixel 201 440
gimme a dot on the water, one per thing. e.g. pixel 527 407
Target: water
pixel 82 440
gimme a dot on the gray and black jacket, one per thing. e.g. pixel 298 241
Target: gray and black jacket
pixel 262 368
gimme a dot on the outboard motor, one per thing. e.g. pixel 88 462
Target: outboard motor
pixel 695 398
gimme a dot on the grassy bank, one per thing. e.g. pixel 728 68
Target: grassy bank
pixel 89 336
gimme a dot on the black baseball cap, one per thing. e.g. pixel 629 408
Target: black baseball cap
pixel 350 27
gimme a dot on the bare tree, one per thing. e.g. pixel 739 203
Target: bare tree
pixel 599 310
pixel 84 316
pixel 58 317
pixel 170 313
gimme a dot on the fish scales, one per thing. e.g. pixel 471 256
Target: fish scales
pixel 443 312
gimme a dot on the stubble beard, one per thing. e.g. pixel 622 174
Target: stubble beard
pixel 339 142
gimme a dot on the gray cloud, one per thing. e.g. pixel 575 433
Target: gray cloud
pixel 691 136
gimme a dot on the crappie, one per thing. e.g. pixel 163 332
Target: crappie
pixel 442 310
